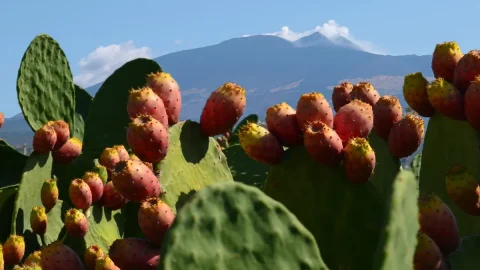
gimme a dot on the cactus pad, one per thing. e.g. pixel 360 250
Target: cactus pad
pixel 235 226
pixel 11 166
pixel 83 100
pixel 466 256
pixel 244 169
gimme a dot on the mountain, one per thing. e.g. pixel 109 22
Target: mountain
pixel 272 70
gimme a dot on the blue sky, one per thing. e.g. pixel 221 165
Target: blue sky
pixel 144 28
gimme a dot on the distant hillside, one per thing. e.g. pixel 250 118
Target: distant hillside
pixel 272 70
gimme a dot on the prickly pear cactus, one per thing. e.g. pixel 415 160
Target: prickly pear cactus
pixel 234 136
pixel 11 166
pixel 466 256
pixel 83 100
pixel 244 169
pixel 242 228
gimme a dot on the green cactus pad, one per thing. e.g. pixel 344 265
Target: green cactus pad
pixel 416 165
pixel 83 100
pixel 234 135
pixel 11 166
pixel 108 117
pixel 235 226
pixel 466 256
pixel 346 219
pixel 448 142
pixel 37 169
pixel 399 240
pixel 244 169
pixel 8 195
pixel 45 84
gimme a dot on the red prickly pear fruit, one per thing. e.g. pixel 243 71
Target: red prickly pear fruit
pixel 44 140
pixel 95 184
pixel 105 263
pixel 313 107
pixel 472 103
pixel 149 165
pixel 144 101
pixel 365 92
pixel 438 222
pixel 354 120
pixel 446 99
pixel 134 253
pixel 76 223
pixel 34 258
pixel 80 194
pixel 445 59
pixel 386 113
pixel 122 152
pixel 135 181
pixel 102 172
pixel 148 138
pixel 68 152
pixel 49 194
pixel 260 145
pixel 60 257
pixel 406 136
pixel 323 144
pixel 111 198
pixel 155 218
pixel 92 254
pixel 415 94
pixel 463 189
pixel 109 158
pixel 62 130
pixel 282 122
pixel 38 220
pixel 341 95
pixel 223 109
pixel 359 160
pixel 2 119
pixel 427 255
pixel 13 249
pixel 168 90
pixel 468 67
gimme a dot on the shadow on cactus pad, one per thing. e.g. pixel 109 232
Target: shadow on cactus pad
pixel 244 169
pixel 11 166
pixel 194 143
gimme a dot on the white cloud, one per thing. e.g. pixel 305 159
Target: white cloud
pixel 104 60
pixel 178 42
pixel 331 30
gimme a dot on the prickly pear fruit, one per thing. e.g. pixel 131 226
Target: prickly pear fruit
pixel 365 92
pixel 438 222
pixel 135 181
pixel 427 254
pixel 386 112
pixel 62 130
pixel 44 139
pixel 341 95
pixel 463 189
pixel 34 258
pixel 68 152
pixel 168 90
pixel 2 119
pixel 38 220
pixel 76 223
pixel 148 138
pixel 223 109
pixel 406 136
pixel 60 257
pixel 313 107
pixel 282 122
pixel 259 144
pixel 445 59
pixel 323 144
pixel 415 94
pixel 49 194
pixel 102 172
pixel 111 198
pixel 467 69
pixel 109 158
pixel 13 249
pixel 472 103
pixel 155 218
pixel 359 160
pixel 80 194
pixel 134 253
pixel 95 184
pixel 105 263
pixel 2 263
pixel 353 120
pixel 92 254
pixel 149 165
pixel 446 99
pixel 145 101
